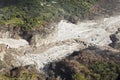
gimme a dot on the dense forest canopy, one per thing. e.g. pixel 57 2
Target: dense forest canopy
pixel 34 13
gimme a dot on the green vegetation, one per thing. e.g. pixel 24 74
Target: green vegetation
pixel 94 71
pixel 29 14
pixel 105 70
pixel 98 71
pixel 78 77
pixel 24 75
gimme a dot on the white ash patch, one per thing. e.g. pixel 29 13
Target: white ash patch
pixel 13 43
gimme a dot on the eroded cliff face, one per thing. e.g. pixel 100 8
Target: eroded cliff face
pixel 56 41
pixel 88 64
pixel 62 40
pixel 87 43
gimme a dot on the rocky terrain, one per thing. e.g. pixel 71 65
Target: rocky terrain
pixel 87 50
pixel 64 41
pixel 88 64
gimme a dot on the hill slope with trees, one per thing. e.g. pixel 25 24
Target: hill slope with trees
pixel 35 13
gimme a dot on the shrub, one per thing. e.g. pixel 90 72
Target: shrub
pixel 24 13
pixel 78 77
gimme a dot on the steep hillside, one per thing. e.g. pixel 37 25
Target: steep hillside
pixel 88 64
pixel 59 40
pixel 35 13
